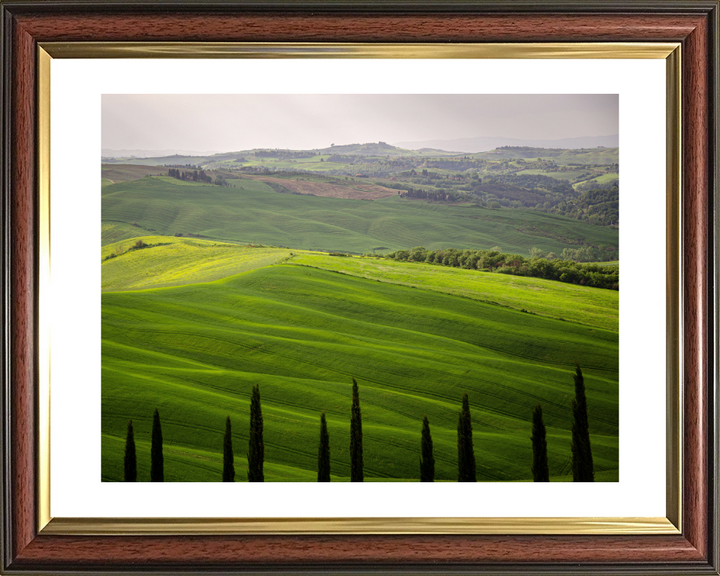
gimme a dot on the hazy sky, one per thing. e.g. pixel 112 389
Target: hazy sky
pixel 226 123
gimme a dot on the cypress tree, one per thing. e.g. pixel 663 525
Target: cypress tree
pixel 356 449
pixel 157 473
pixel 466 454
pixel 228 458
pixel 582 462
pixel 539 445
pixel 427 460
pixel 256 451
pixel 130 458
pixel 324 452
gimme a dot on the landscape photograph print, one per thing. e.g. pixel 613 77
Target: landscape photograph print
pixel 360 288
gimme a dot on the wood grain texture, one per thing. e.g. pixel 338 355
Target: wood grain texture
pixel 358 28
pixel 295 550
pixel 696 187
pixel 23 368
pixel 675 553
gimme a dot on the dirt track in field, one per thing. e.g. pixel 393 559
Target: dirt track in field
pixel 353 191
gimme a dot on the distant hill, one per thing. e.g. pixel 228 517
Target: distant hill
pixel 110 153
pixel 339 158
pixel 367 149
pixel 560 155
pixel 115 173
pixel 485 143
pixel 173 160
pixel 377 149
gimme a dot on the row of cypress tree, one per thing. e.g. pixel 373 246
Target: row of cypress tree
pixel 582 461
pixel 157 472
pixel 582 464
pixel 256 449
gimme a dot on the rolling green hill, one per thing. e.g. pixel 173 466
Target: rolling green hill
pixel 602 181
pixel 126 172
pixel 579 304
pixel 169 261
pixel 252 212
pixel 512 177
pixel 115 231
pixel 561 155
pixel 415 341
pixel 568 175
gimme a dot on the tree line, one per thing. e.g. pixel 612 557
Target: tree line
pixel 198 176
pixel 439 195
pixel 195 175
pixel 582 462
pixel 547 266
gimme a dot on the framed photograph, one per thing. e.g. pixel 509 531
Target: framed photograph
pixel 358 266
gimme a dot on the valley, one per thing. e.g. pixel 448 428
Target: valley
pixel 293 270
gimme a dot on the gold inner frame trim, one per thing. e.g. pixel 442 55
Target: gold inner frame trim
pixel 559 50
pixel 295 526
pixel 43 172
pixel 175 526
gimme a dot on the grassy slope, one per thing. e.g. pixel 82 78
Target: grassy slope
pixel 253 212
pixel 115 231
pixel 302 333
pixel 125 172
pixel 602 179
pixel 569 175
pixel 579 304
pixel 605 178
pixel 173 261
pixel 560 156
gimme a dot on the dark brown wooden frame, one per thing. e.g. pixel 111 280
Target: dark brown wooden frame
pixel 694 23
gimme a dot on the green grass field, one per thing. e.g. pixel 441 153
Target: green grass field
pixel 599 180
pixel 567 175
pixel 170 261
pixel 415 336
pixel 254 213
pixel 560 156
pixel 312 163
pixel 115 231
pixel 125 172
pixel 559 300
